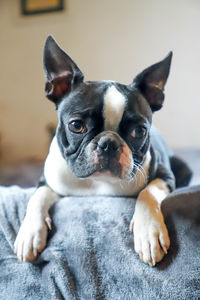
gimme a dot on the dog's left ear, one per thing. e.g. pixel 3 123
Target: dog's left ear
pixel 152 80
pixel 62 73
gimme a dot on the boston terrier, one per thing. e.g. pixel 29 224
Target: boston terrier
pixel 104 145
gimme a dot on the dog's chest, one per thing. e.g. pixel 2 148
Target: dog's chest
pixel 61 179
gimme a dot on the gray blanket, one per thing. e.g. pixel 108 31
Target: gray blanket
pixel 90 251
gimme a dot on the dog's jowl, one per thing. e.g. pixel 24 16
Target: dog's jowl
pixel 104 145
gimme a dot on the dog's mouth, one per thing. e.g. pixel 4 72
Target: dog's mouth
pixel 109 167
pixel 121 167
pixel 118 166
pixel 111 170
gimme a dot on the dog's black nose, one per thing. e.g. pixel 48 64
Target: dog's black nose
pixel 107 146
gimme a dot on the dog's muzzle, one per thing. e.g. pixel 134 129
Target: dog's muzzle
pixel 112 154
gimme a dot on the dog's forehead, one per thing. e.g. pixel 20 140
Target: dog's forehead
pixel 108 98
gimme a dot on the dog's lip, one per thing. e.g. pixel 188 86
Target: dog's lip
pixel 105 176
pixel 98 174
pixel 103 173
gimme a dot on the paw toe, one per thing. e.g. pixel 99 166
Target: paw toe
pixel 146 253
pixel 164 241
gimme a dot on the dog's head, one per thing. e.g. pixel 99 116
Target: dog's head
pixel 103 126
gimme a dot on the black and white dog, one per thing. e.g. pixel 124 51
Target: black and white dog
pixel 104 145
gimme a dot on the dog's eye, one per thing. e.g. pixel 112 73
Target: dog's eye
pixel 139 132
pixel 77 126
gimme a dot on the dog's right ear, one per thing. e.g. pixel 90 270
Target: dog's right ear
pixel 61 72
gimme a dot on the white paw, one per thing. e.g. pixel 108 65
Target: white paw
pixel 31 238
pixel 151 240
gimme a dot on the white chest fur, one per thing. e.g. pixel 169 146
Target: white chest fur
pixel 61 179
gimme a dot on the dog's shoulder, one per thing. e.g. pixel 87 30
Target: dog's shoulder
pixel 160 166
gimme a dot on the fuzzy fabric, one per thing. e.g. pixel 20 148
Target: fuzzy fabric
pixel 90 252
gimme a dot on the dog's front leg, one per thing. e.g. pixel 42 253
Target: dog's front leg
pixel 151 238
pixel 32 235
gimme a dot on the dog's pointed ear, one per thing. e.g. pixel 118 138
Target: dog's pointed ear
pixel 62 74
pixel 152 80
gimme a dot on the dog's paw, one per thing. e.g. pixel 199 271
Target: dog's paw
pixel 151 240
pixel 31 238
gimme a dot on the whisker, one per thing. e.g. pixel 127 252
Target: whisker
pixel 141 170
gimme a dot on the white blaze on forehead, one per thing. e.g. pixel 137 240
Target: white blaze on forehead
pixel 114 104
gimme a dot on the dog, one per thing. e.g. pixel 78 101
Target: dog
pixel 104 145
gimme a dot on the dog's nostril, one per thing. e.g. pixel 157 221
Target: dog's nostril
pixel 108 146
pixel 104 146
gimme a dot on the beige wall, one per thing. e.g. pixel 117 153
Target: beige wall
pixel 109 39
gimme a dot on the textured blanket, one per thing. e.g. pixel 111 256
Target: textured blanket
pixel 90 252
